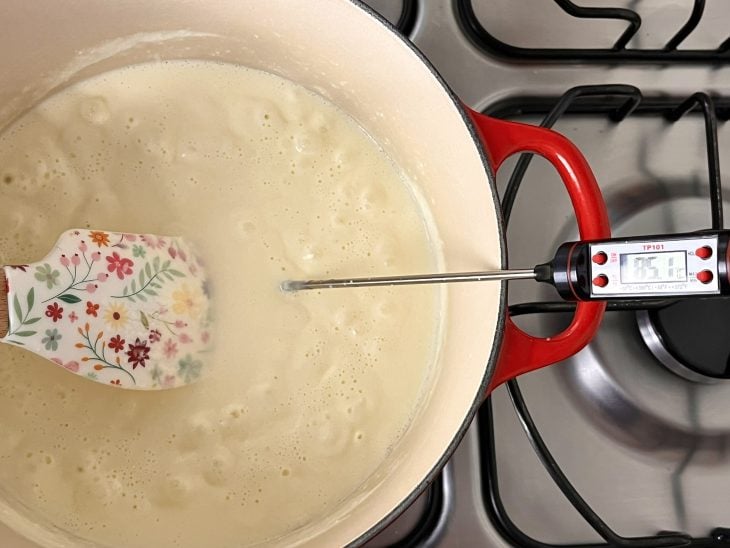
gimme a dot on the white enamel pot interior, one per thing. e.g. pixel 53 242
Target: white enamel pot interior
pixel 347 54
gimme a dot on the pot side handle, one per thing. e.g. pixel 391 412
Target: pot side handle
pixel 522 352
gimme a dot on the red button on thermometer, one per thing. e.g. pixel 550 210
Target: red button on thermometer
pixel 600 258
pixel 704 252
pixel 705 276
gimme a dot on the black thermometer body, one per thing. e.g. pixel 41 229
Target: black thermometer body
pixel 676 265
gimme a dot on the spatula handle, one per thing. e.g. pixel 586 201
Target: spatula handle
pixel 4 315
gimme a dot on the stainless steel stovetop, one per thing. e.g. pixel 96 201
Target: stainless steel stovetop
pixel 646 448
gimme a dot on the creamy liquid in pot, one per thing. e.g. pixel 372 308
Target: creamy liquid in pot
pixel 308 391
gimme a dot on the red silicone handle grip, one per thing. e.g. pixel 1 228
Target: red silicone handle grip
pixel 522 352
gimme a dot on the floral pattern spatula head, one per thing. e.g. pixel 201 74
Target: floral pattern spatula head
pixel 125 310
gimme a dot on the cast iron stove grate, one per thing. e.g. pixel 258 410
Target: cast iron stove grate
pixel 488 43
pixel 617 102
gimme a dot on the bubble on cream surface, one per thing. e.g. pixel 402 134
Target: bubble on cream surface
pixel 308 390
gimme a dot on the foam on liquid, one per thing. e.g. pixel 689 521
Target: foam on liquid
pixel 309 390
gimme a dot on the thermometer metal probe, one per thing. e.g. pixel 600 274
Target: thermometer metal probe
pixel 661 266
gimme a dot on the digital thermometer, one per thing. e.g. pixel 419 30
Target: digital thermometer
pixel 668 265
pixel 676 265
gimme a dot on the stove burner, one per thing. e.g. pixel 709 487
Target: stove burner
pixel 690 338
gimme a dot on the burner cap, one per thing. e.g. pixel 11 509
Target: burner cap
pixel 691 337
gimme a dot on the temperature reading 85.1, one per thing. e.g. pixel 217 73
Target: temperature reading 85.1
pixel 668 266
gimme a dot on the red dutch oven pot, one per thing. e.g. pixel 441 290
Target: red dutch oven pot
pixel 348 54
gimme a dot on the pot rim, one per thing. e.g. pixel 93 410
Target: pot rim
pixel 501 319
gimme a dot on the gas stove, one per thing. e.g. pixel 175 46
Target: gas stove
pixel 636 427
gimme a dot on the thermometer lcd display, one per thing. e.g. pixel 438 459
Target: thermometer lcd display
pixel 666 266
